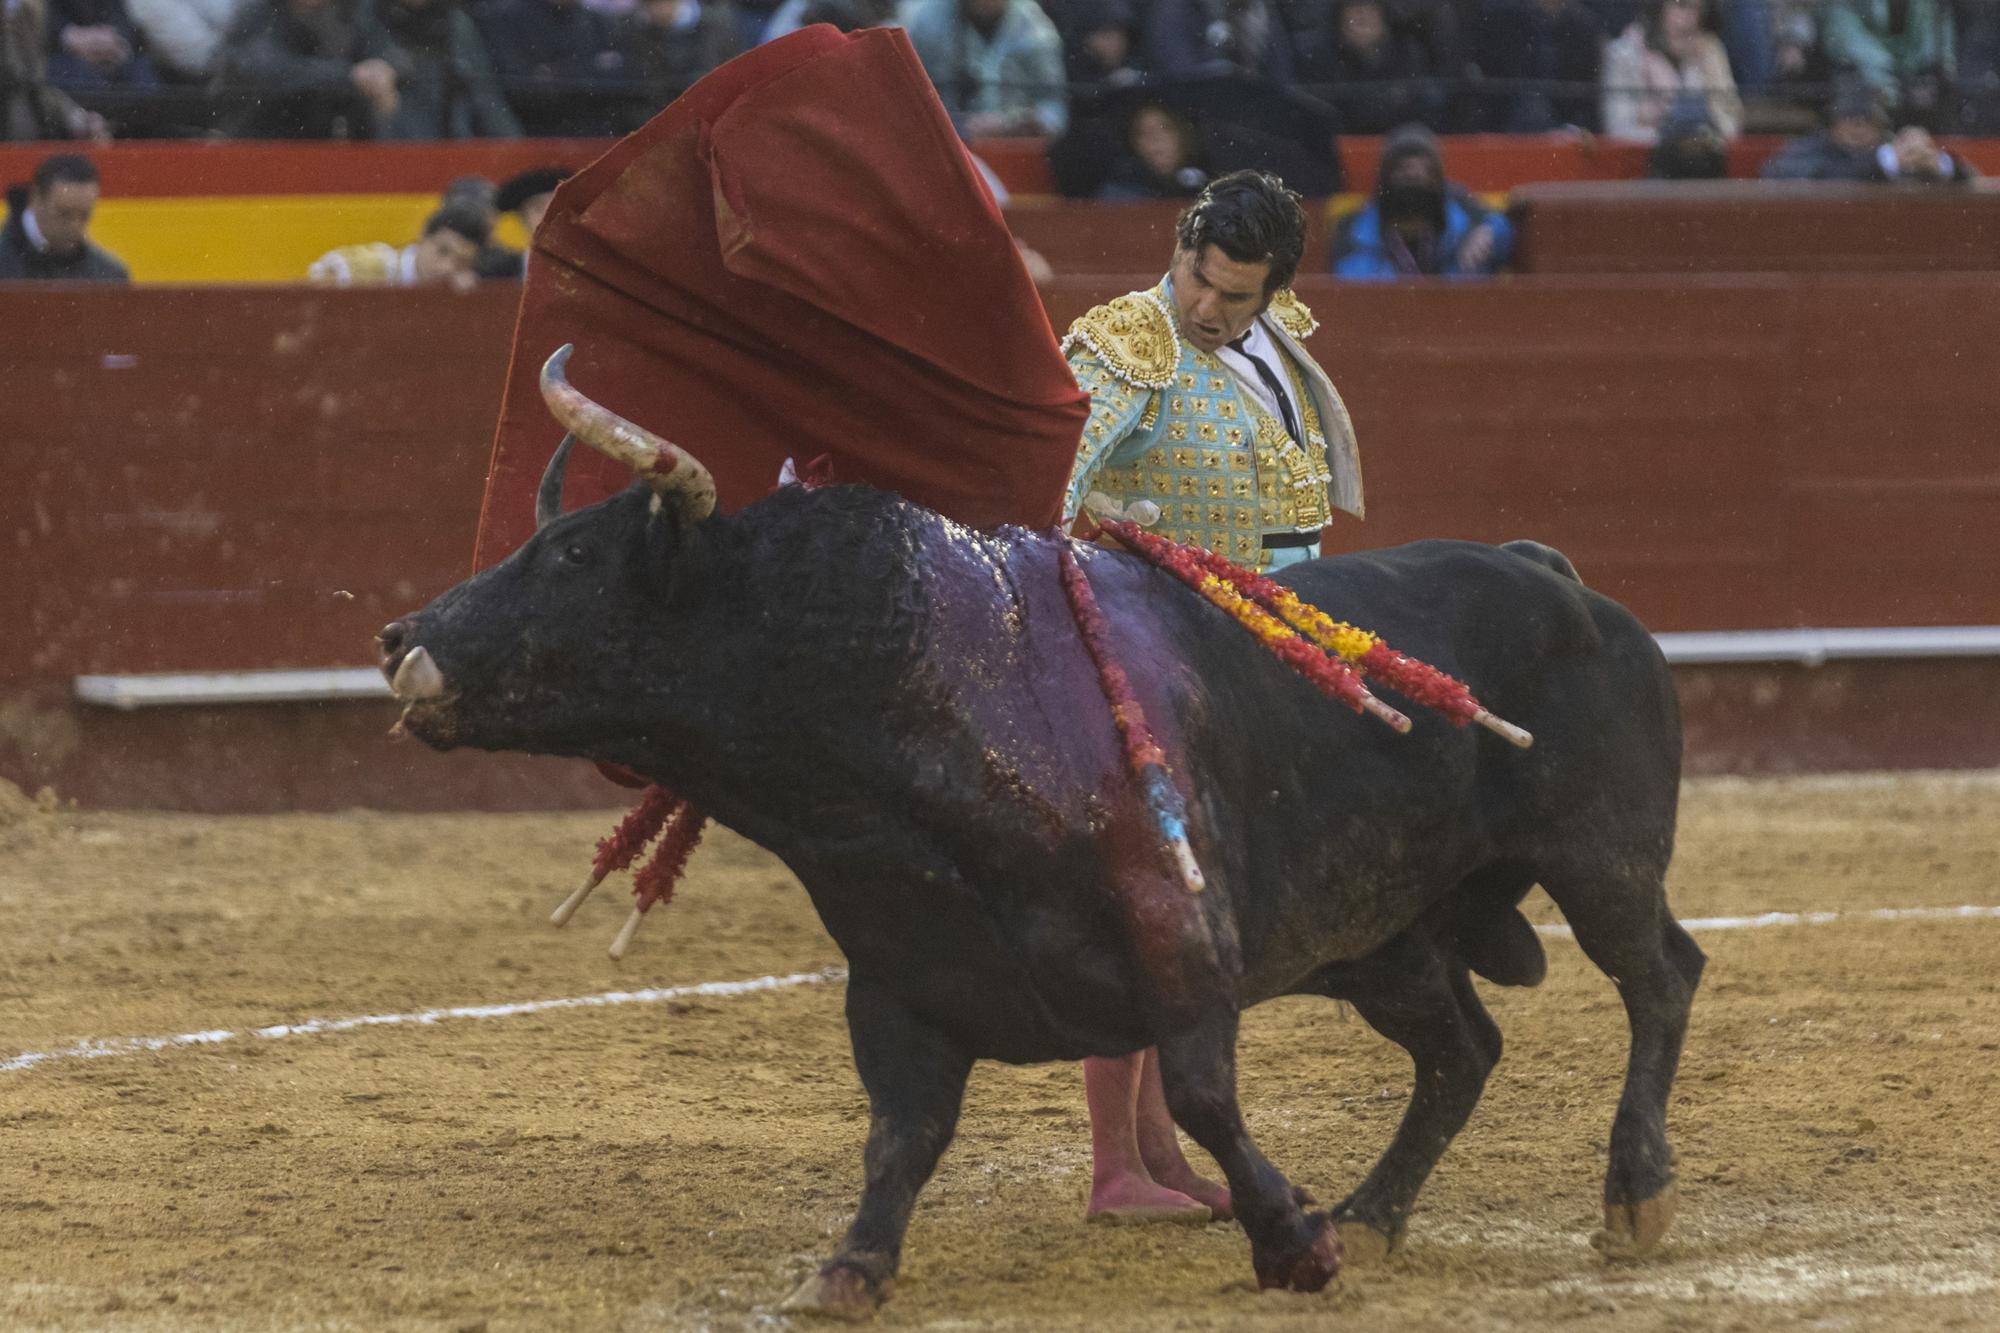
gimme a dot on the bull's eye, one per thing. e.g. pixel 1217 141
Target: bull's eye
pixel 576 553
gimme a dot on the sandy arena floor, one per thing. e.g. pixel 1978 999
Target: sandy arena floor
pixel 681 1163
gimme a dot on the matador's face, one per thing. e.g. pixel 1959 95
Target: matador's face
pixel 1216 297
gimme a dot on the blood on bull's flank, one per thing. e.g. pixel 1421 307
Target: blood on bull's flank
pixel 903 711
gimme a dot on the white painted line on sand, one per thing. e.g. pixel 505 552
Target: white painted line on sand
pixel 1791 1279
pixel 98 1049
pixel 1767 919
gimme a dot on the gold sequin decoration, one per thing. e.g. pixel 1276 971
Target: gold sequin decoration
pixel 1132 336
pixel 1292 315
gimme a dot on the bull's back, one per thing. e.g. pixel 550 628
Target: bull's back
pixel 1403 819
pixel 1537 647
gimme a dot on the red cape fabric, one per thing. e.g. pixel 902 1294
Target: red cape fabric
pixel 796 258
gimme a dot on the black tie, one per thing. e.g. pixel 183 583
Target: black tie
pixel 1270 378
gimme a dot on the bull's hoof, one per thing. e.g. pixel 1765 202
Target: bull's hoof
pixel 838 1292
pixel 1306 1269
pixel 1362 1246
pixel 1631 1229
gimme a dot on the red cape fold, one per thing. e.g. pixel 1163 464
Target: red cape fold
pixel 796 258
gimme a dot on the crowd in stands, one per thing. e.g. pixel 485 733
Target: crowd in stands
pixel 1140 95
pixel 1137 99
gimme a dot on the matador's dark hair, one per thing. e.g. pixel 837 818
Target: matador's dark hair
pixel 1251 217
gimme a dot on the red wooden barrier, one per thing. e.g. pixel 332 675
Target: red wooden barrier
pixel 1484 162
pixel 222 479
pixel 1754 227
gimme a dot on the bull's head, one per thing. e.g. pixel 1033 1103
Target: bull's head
pixel 545 651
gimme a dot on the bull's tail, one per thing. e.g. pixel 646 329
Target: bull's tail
pixel 1548 557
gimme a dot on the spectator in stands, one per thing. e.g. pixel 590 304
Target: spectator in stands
pixel 668 44
pixel 309 69
pixel 1419 225
pixel 1665 58
pixel 1100 43
pixel 444 255
pixel 1914 158
pixel 32 109
pixel 559 66
pixel 846 15
pixel 1162 159
pixel 445 84
pixel 95 46
pixel 1795 39
pixel 997 64
pixel 1904 49
pixel 1541 58
pixel 527 196
pixel 1689 148
pixel 479 197
pixel 1979 67
pixel 47 236
pixel 1845 149
pixel 1379 77
pixel 184 37
pixel 1194 39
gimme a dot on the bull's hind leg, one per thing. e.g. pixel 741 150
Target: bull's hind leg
pixel 1422 999
pixel 1287 1247
pixel 915 1079
pixel 1622 922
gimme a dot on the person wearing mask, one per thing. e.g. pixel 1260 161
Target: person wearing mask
pixel 1418 224
pixel 47 235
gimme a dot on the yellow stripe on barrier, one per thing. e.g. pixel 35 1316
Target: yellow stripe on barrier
pixel 252 238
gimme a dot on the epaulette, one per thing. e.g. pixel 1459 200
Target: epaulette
pixel 1292 315
pixel 1134 338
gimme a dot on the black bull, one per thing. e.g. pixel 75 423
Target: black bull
pixel 902 710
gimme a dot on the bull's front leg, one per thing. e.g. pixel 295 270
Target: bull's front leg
pixel 1288 1247
pixel 915 1078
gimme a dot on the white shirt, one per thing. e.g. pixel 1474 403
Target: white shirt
pixel 1266 349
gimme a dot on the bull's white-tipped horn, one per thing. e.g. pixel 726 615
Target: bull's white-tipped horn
pixel 670 470
pixel 417 677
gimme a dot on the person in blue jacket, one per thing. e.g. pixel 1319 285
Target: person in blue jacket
pixel 1418 224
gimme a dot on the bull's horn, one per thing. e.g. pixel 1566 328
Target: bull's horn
pixel 668 469
pixel 548 496
pixel 417 678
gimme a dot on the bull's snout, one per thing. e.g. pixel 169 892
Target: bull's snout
pixel 411 672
